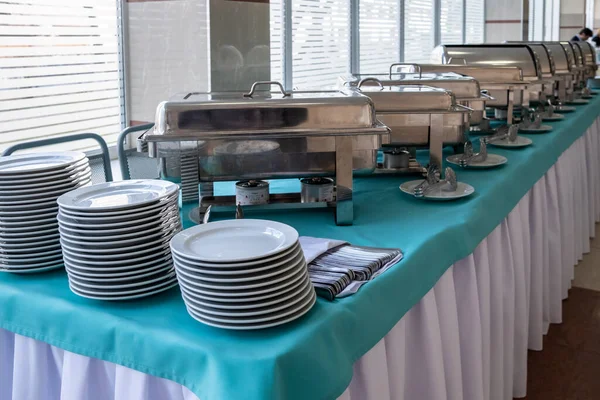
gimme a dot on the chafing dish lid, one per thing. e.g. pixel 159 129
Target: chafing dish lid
pixel 483 74
pixel 409 98
pixel 461 86
pixel 579 59
pixel 560 57
pixel 193 116
pixel 587 51
pixel 519 55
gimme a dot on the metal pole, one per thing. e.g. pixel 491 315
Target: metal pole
pixel 525 20
pixel 437 11
pixel 401 25
pixel 287 44
pixel 354 36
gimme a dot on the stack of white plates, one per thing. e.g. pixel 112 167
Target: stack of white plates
pixel 115 238
pixel 242 274
pixel 29 187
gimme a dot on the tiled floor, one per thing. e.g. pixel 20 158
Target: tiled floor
pixel 569 366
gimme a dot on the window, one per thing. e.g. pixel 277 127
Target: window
pixel 60 70
pixel 321 42
pixel 451 21
pixel 418 30
pixel 474 21
pixel 277 40
pixel 379 30
pixel 536 20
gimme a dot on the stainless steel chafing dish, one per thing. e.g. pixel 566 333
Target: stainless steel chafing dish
pixel 578 67
pixel 202 138
pixel 519 55
pixel 419 117
pixel 588 57
pixel 504 84
pixel 466 90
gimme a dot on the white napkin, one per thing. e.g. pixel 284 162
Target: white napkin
pixel 314 247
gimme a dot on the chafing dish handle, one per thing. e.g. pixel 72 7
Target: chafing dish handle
pixel 417 68
pixel 259 83
pixel 469 109
pixel 484 93
pixel 362 81
pixel 464 61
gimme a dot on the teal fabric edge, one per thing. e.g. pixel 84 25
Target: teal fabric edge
pixel 366 330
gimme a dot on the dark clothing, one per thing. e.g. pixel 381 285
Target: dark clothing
pixel 596 40
pixel 575 38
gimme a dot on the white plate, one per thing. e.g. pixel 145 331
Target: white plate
pixel 54 236
pixel 30 212
pixel 234 240
pixel 521 141
pixel 31 270
pixel 34 223
pixel 118 260
pixel 217 269
pixel 118 227
pixel 463 190
pixel 26 263
pixel 250 301
pixel 36 198
pixel 157 290
pixel 27 218
pixel 29 207
pixel 107 276
pixel 122 292
pixel 492 160
pixel 55 182
pixel 38 245
pixel 246 277
pixel 46 177
pixel 76 235
pixel 541 129
pixel 28 253
pixel 243 294
pixel 27 228
pixel 254 326
pixel 36 234
pixel 553 117
pixel 39 190
pixel 41 264
pixel 119 244
pixel 137 211
pixel 158 243
pixel 259 308
pixel 133 283
pixel 111 196
pixel 124 264
pixel 38 162
pixel 123 217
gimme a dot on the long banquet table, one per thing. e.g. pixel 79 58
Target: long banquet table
pixel 481 281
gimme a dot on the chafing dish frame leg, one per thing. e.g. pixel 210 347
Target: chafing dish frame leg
pixel 436 139
pixel 344 210
pixel 561 91
pixel 511 106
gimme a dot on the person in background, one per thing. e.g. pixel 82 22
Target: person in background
pixel 583 36
pixel 596 39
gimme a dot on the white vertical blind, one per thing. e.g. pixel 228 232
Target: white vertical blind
pixel 321 42
pixel 379 30
pixel 451 21
pixel 551 17
pixel 474 21
pixel 277 32
pixel 418 30
pixel 536 20
pixel 59 69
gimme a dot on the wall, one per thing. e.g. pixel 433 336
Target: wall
pixel 503 20
pixel 572 18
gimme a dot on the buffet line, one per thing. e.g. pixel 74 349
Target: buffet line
pixel 126 240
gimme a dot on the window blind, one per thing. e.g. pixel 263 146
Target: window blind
pixel 379 29
pixel 59 70
pixel 277 32
pixel 474 21
pixel 321 42
pixel 418 30
pixel 451 21
pixel 536 20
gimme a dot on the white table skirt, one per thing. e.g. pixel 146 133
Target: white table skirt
pixel 466 339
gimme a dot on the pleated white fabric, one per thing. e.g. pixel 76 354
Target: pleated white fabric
pixel 467 339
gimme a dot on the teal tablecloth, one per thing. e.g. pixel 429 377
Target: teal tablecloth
pixel 311 358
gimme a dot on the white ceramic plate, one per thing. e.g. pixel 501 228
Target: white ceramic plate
pixel 27 228
pixel 31 270
pixel 51 181
pixel 40 177
pixel 43 245
pixel 113 252
pixel 249 309
pixel 27 218
pixel 77 235
pixel 125 264
pixel 133 284
pixel 26 263
pixel 144 211
pixel 29 212
pixel 220 294
pixel 117 260
pixel 257 265
pixel 41 264
pixel 121 291
pixel 26 164
pixel 521 141
pixel 117 227
pixel 130 215
pixel 111 196
pixel 119 244
pixel 492 160
pixel 541 129
pixel 247 277
pixel 112 297
pixel 253 326
pixel 463 190
pixel 117 276
pixel 30 234
pixel 234 240
pixel 53 236
pixel 32 207
pixel 63 184
pixel 29 253
pixel 34 223
pixel 36 198
pixel 554 117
